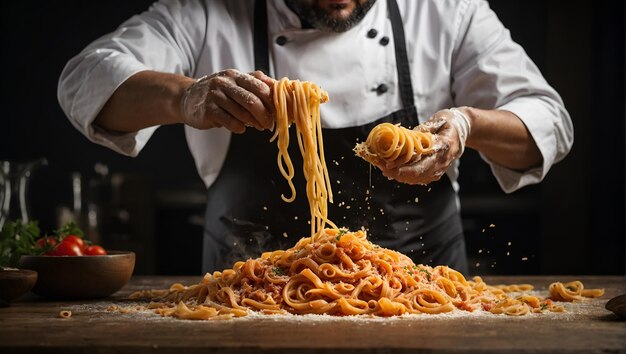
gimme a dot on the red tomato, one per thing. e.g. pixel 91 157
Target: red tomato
pixel 75 239
pixel 66 249
pixel 46 242
pixel 95 250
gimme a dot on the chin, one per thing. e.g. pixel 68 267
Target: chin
pixel 331 15
pixel 339 15
pixel 338 10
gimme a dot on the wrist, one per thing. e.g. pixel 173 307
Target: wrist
pixel 181 94
pixel 471 116
pixel 461 123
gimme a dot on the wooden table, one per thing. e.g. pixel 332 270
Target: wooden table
pixel 32 324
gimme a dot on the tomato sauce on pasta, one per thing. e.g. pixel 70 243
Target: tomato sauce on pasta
pixel 336 271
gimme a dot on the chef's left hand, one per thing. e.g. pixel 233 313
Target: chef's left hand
pixel 450 128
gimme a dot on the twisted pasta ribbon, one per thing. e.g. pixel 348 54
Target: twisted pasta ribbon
pixel 393 145
pixel 572 291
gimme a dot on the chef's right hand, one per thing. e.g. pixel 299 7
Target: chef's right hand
pixel 450 128
pixel 230 99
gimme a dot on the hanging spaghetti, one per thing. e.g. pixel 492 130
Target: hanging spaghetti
pixel 299 102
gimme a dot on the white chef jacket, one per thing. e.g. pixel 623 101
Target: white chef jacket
pixel 460 54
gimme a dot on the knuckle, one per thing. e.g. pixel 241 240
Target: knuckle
pixel 218 81
pixel 231 72
pixel 439 115
pixel 213 93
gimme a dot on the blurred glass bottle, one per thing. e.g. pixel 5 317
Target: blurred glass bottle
pixel 14 178
pixel 90 199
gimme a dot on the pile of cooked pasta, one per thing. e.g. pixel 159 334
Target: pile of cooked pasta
pixel 342 273
pixel 391 145
pixel 335 271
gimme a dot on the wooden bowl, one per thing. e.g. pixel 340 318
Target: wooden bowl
pixel 618 306
pixel 15 283
pixel 80 277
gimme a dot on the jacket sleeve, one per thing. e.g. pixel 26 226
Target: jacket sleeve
pixel 491 71
pixel 165 38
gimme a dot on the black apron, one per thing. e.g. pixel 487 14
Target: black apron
pixel 246 215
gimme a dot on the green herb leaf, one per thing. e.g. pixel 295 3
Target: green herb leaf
pixel 426 272
pixel 341 233
pixel 69 229
pixel 278 271
pixel 18 239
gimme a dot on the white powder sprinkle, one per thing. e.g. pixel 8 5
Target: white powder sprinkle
pixel 103 310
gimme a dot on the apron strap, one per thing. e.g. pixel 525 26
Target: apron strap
pixel 402 60
pixel 261 51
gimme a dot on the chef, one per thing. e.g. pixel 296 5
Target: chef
pixel 210 64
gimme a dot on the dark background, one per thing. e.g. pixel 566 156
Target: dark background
pixel 573 223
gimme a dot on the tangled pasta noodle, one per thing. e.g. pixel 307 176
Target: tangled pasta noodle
pixel 572 291
pixel 338 273
pixel 299 102
pixel 392 145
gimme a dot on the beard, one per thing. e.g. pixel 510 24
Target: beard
pixel 324 21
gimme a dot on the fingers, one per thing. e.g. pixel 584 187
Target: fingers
pixel 238 115
pixel 425 171
pixel 261 76
pixel 222 118
pixel 233 100
pixel 428 169
pixel 436 122
pixel 260 104
pixel 253 95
